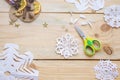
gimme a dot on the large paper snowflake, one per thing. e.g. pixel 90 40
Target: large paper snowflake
pixel 85 4
pixel 67 46
pixel 14 66
pixel 106 70
pixel 112 15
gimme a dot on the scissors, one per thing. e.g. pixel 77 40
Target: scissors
pixel 90 45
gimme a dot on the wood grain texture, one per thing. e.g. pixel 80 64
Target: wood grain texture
pixel 69 70
pixel 41 41
pixel 35 37
pixel 59 6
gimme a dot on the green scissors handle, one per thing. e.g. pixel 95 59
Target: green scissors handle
pixel 91 46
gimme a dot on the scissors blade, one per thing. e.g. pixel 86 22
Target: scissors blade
pixel 80 32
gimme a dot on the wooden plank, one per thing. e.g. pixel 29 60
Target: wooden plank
pixel 58 6
pixel 68 70
pixel 41 41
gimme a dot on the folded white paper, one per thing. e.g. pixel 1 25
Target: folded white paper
pixel 16 66
pixel 85 4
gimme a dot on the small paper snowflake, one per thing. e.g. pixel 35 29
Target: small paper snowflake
pixel 106 70
pixel 85 4
pixel 15 66
pixel 112 15
pixel 67 46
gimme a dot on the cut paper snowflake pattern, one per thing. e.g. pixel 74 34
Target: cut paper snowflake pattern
pixel 82 5
pixel 106 70
pixel 67 46
pixel 112 15
pixel 15 66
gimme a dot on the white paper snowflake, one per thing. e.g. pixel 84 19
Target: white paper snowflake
pixel 67 46
pixel 106 70
pixel 14 66
pixel 112 15
pixel 85 4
